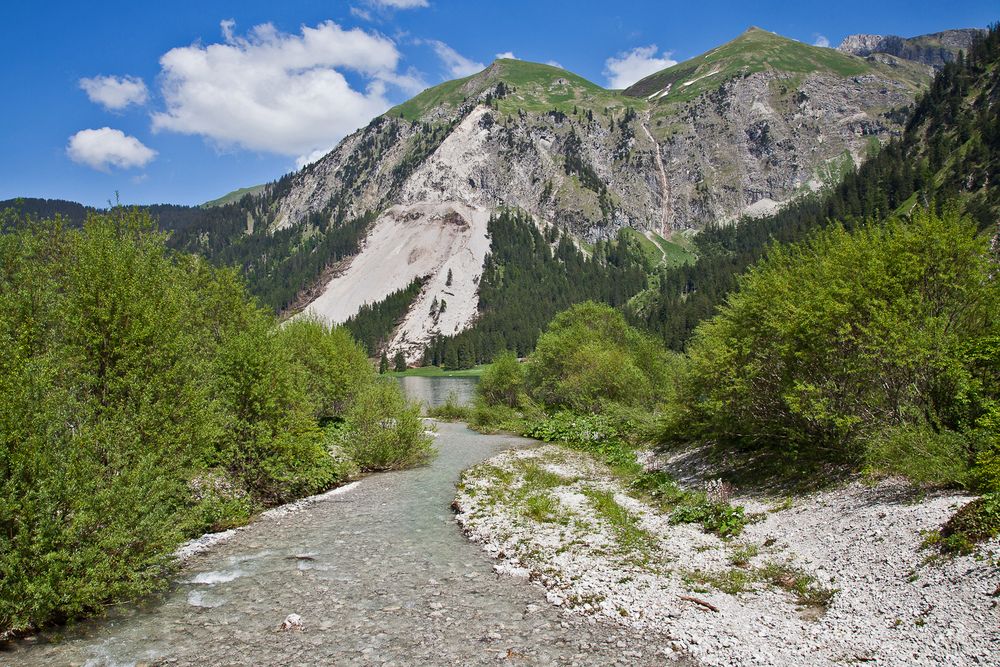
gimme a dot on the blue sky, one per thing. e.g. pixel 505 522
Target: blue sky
pixel 185 101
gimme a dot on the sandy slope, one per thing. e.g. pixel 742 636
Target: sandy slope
pixel 440 225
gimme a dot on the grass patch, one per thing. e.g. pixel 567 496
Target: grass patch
pixel 537 477
pixel 451 410
pixel 625 525
pixel 733 581
pixel 742 556
pixel 804 587
pixel 807 590
pixel 543 508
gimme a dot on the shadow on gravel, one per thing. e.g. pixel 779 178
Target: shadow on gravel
pixel 754 474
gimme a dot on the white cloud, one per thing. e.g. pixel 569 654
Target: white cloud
pixel 278 92
pixel 362 14
pixel 115 93
pixel 506 54
pixel 106 148
pixel 456 64
pixel 629 66
pixel 399 4
pixel 821 40
pixel 554 63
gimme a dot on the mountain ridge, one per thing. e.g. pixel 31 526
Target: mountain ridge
pixel 933 49
pixel 410 194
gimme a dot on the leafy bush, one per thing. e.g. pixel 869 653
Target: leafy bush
pixel 829 343
pixel 383 431
pixel 146 398
pixel 589 358
pixel 721 518
pixel 334 367
pixel 595 434
pixel 502 383
pixel 920 454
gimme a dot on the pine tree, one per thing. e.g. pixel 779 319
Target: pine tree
pixel 383 364
pixel 399 362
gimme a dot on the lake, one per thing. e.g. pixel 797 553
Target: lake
pixel 434 391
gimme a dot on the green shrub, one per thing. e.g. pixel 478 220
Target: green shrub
pixel 502 383
pixel 589 357
pixel 828 343
pixel 146 398
pixel 105 411
pixel 978 521
pixel 383 431
pixel 492 418
pixel 450 410
pixel 334 367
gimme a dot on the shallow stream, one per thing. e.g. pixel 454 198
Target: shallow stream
pixel 379 574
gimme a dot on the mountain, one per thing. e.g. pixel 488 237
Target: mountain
pixel 738 131
pixel 234 196
pixel 947 155
pixel 934 49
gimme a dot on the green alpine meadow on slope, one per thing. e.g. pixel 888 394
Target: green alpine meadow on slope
pixel 148 399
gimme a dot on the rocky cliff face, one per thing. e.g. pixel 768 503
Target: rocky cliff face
pixel 588 160
pixel 934 49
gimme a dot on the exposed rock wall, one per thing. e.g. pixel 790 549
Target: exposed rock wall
pixel 935 49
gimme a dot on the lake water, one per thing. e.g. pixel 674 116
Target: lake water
pixel 434 391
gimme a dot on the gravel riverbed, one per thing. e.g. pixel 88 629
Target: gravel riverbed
pixel 828 578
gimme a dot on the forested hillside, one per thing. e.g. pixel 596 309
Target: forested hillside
pixel 528 277
pixel 278 265
pixel 950 150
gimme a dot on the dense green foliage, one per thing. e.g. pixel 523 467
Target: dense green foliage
pixel 147 398
pixel 334 367
pixel 528 277
pixel 950 150
pixel 833 346
pixel 383 431
pixel 589 357
pixel 375 322
pixel 503 381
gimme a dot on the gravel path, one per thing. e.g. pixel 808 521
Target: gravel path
pixel 538 511
pixel 378 574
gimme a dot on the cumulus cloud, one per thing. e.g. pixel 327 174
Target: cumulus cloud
pixel 628 67
pixel 278 92
pixel 506 54
pixel 399 4
pixel 455 63
pixel 105 148
pixel 821 40
pixel 554 63
pixel 114 92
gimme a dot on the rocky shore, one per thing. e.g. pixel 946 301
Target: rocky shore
pixel 831 577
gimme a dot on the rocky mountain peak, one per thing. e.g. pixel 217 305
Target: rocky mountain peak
pixel 934 49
